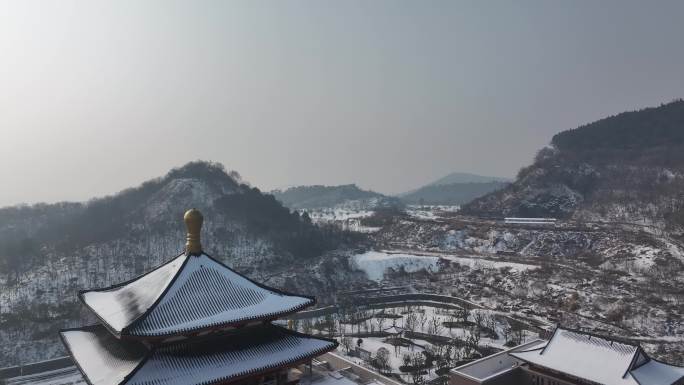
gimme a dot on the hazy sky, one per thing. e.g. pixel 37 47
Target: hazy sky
pixel 99 96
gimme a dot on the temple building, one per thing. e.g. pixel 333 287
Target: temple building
pixel 192 320
pixel 569 357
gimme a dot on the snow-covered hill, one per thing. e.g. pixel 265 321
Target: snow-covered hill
pixel 49 252
pixel 628 167
pixel 330 197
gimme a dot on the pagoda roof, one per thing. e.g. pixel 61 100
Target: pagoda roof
pixel 216 358
pixel 188 294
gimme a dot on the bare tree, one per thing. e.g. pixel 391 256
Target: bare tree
pixel 436 325
pixel 347 343
pixel 518 333
pixel 474 338
pixel 452 320
pixel 417 364
pixel 422 319
pixel 464 312
pixel 307 326
pixel 382 360
pixel 507 331
pixel 330 325
pixel 478 317
pixel 380 322
pixel 411 322
pixel 406 359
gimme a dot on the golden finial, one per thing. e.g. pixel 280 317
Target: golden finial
pixel 193 221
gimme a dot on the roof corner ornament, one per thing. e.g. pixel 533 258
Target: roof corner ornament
pixel 193 222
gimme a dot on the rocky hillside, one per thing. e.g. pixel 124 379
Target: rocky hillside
pixel 618 279
pixel 628 167
pixel 319 197
pixel 49 252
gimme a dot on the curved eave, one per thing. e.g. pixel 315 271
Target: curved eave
pixel 187 332
pixel 282 364
pixel 128 331
pixel 103 354
pixel 276 366
pixel 118 331
pixel 81 369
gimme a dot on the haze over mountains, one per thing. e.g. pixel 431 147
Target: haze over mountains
pixel 465 177
pixel 453 189
pixel 625 168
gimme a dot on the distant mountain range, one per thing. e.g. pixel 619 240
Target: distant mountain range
pixel 464 177
pixel 318 196
pixel 450 194
pixel 454 189
pixel 627 167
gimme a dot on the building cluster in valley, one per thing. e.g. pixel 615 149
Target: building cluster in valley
pixel 195 321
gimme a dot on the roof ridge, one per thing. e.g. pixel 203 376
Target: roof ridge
pixel 631 363
pixel 129 330
pixel 81 293
pixel 159 297
pixel 261 285
pixel 555 330
pixel 124 283
pixel 616 339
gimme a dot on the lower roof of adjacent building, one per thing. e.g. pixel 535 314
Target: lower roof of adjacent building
pixel 217 358
pixel 600 360
pixel 582 356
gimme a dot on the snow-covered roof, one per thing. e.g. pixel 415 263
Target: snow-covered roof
pixel 599 359
pixel 656 372
pixel 487 368
pixel 106 360
pixel 187 294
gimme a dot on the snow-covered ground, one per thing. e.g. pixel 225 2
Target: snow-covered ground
pixel 376 263
pixel 602 277
pixel 481 263
pixel 337 214
pixel 428 320
pixel 430 211
pixel 348 218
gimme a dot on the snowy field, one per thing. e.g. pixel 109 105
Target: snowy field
pixel 481 263
pixel 337 214
pixel 376 263
pixel 430 211
pixel 347 218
